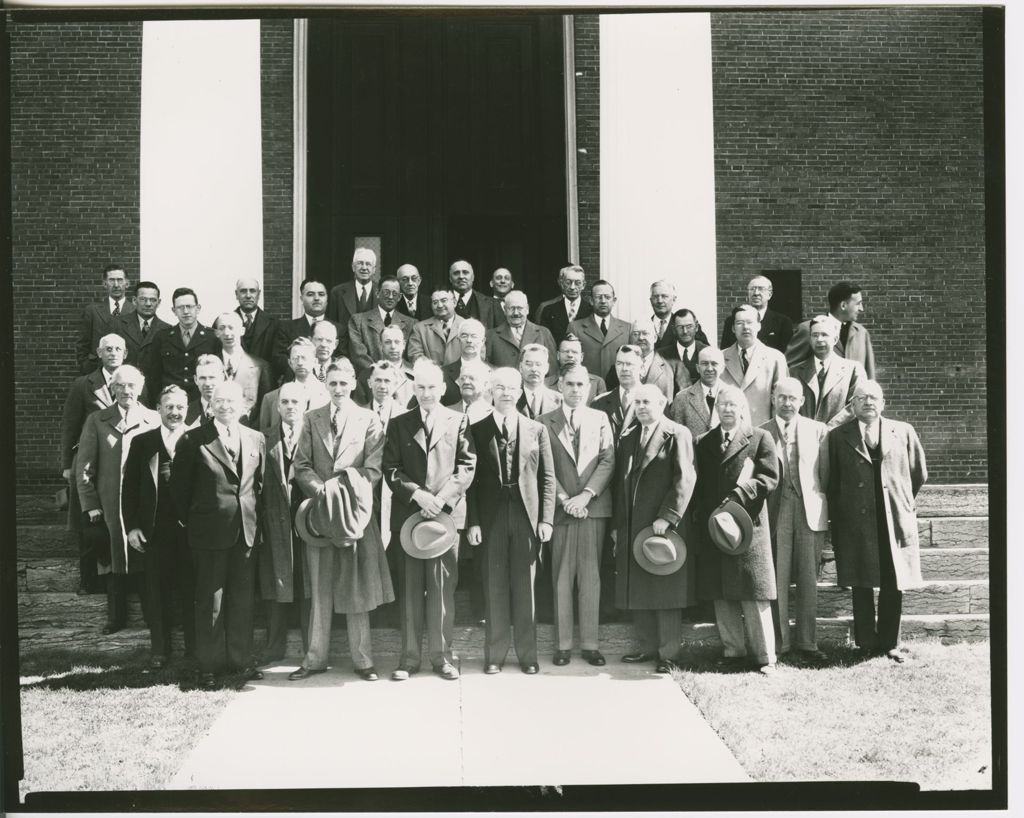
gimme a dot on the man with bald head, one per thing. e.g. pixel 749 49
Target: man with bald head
pixel 694 407
pixel 356 296
pixel 504 342
pixel 470 303
pixel 663 299
pixel 775 328
pixel 258 328
pixel 415 300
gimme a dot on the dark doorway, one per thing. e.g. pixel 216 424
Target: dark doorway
pixel 443 136
pixel 787 293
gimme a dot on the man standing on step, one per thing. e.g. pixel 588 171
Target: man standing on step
pixel 100 319
pixel 152 525
pixel 429 463
pixel 177 348
pixel 876 468
pixel 845 304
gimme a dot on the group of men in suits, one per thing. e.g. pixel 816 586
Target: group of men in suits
pixel 562 450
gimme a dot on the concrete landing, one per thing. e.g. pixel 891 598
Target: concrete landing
pixel 570 725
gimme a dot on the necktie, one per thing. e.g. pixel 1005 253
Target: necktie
pixel 229 370
pixel 381 415
pixel 229 444
pixel 117 309
pixel 387 319
pixel 661 327
pixel 289 440
pixel 208 412
pixel 570 310
pixel 645 435
pixel 335 424
pixel 744 363
pixel 246 321
pixel 575 433
pixel 844 334
pixel 145 328
pixel 364 298
pixel 624 401
pixel 604 326
pixel 428 427
pixel 711 404
pixel 726 439
pixel 534 405
pixel 446 329
pixel 870 436
pixel 461 307
pixel 186 336
pixel 821 378
pixel 517 335
pixel 686 357
pixel 321 373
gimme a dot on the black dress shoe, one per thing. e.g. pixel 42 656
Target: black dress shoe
pixel 207 681
pixel 491 668
pixel 636 658
pixel 530 669
pixel 251 674
pixel 304 673
pixel 367 674
pixel 594 657
pixel 664 666
pixel 816 655
pixel 562 657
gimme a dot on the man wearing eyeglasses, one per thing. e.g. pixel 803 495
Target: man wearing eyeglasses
pixel 776 328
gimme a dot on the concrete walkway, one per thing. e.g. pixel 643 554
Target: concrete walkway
pixel 570 725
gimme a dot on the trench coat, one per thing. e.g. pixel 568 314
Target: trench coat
pixel 657 482
pixel 851 498
pixel 750 575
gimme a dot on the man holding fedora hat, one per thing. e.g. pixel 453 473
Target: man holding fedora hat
pixel 737 467
pixel 510 509
pixel 337 462
pixel 428 463
pixel 654 480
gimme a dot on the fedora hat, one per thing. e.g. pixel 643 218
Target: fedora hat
pixel 311 521
pixel 659 554
pixel 731 528
pixel 424 539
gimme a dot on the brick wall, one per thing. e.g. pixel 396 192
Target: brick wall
pixel 276 91
pixel 849 145
pixel 75 103
pixel 588 137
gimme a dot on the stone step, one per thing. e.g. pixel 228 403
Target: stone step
pixel 936 563
pixel 953 500
pixel 953 532
pixel 46 540
pixel 60 610
pixel 38 507
pixel 940 597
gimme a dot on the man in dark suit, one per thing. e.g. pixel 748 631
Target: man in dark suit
pixel 415 300
pixel 353 297
pixel 209 373
pixel 776 328
pixel 259 329
pixel 472 341
pixel 845 304
pixel 314 307
pixel 140 327
pixel 684 341
pixel 100 319
pixel 663 300
pixel 669 377
pixel 429 462
pixel 558 313
pixel 510 508
pixel 216 482
pixel 364 329
pixel 283 578
pixel 501 285
pixel 470 303
pixel 617 403
pixel 505 341
pixel 151 523
pixel 176 349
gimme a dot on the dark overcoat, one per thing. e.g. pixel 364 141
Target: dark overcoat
pixel 281 546
pixel 656 482
pixel 721 475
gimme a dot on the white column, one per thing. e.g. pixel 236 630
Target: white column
pixel 201 208
pixel 657 161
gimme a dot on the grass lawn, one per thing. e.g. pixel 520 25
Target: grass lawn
pixel 926 721
pixel 108 723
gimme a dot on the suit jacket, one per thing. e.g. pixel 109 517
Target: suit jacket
pixel 403 393
pixel 422 310
pixel 194 415
pixel 594 467
pixel 656 481
pixel 218 499
pixel 343 302
pixel 96 322
pixel 483 309
pixel 668 376
pixel 549 401
pixel 288 331
pixel 102 450
pixel 172 362
pixel 269 416
pixel 609 403
pixel 552 315
pixel 426 339
pixel 451 372
pixel 597 386
pixel 670 352
pixel 536 474
pixel 853 506
pixel 253 375
pixel 281 498
pixel 835 406
pixel 690 409
pixel 776 330
pixel 364 336
pixel 502 350
pixel 258 340
pixel 445 469
pixel 858 347
pixel 812 464
pixel 140 484
pixel 599 351
pixel 139 350
pixel 765 367
pixel 88 393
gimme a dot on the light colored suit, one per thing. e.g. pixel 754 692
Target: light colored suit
pixel 858 347
pixel 690 409
pixel 597 386
pixel 253 375
pixel 599 350
pixel 428 339
pixel 576 543
pixel 350 580
pixel 500 348
pixel 841 378
pixel 765 367
pixel 549 401
pixel 270 417
pixel 364 336
pixel 798 518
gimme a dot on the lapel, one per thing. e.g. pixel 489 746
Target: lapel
pixel 776 433
pixel 111 415
pixel 697 401
pixel 420 435
pixel 348 297
pixel 130 326
pixel 376 323
pixel 505 333
pixel 154 457
pixel 654 444
pixel 590 329
pixel 835 373
pixel 732 364
pixel 736 445
pixel 657 366
pixel 321 420
pixel 561 431
pixel 174 336
pixel 98 387
pixel 753 362
pixel 216 448
pixel 526 443
pixel 855 441
pixel 276 453
pixel 807 373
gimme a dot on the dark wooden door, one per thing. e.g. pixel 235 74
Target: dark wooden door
pixel 443 135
